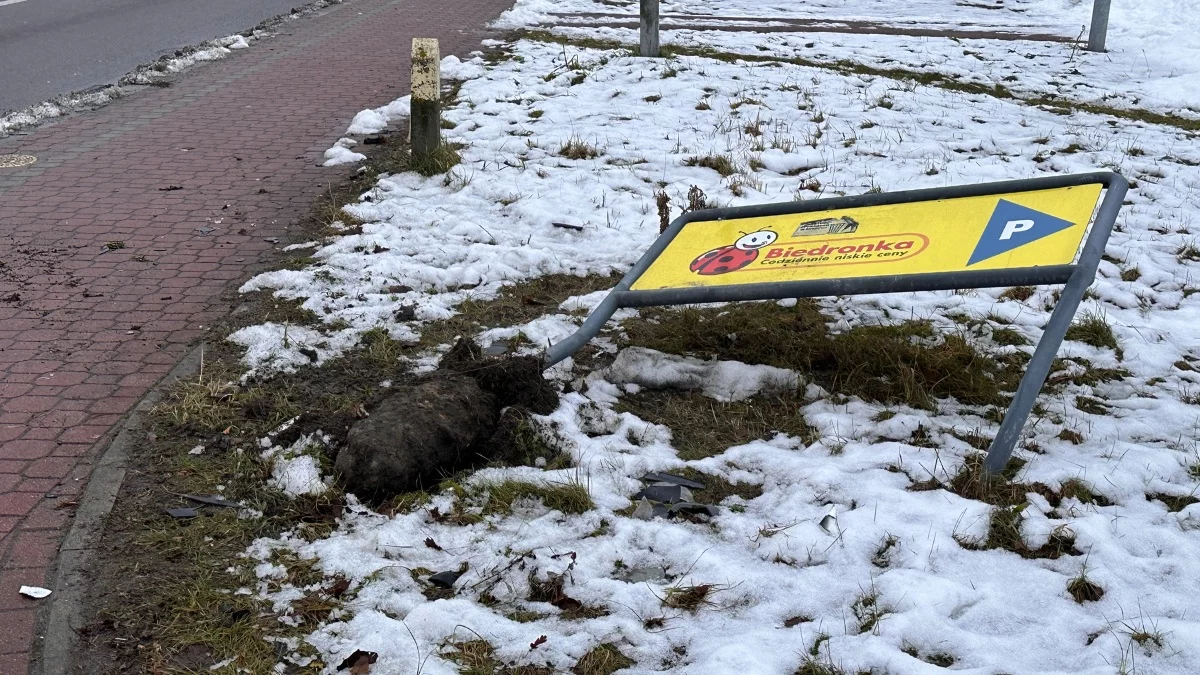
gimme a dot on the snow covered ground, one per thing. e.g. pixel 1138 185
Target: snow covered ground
pixel 1153 60
pixel 587 137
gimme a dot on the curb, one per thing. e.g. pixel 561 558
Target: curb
pixel 60 638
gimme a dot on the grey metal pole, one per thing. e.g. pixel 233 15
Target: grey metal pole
pixel 650 28
pixel 1099 30
pixel 1056 330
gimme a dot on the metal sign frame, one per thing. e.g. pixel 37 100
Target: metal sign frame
pixel 1076 277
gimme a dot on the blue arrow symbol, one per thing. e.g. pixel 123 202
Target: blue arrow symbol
pixel 1013 226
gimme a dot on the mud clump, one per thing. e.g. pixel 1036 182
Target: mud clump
pixel 513 380
pixel 472 411
pixel 416 433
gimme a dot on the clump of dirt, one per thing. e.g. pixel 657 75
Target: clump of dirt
pixel 472 411
pixel 513 380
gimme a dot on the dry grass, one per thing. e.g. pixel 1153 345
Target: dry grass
pixel 1018 293
pixel 475 501
pixel 1083 589
pixel 1174 503
pixel 478 657
pixel 702 427
pixel 904 363
pixel 576 148
pixel 602 660
pixel 868 610
pixel 722 164
pixel 1093 329
pixel 1004 532
pixel 515 305
pixel 690 598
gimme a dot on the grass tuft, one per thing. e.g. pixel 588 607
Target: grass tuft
pixel 478 657
pixel 722 164
pixel 441 160
pixel 501 496
pixel 690 598
pixel 869 611
pixel 576 148
pixel 702 427
pixel 1094 329
pixel 602 660
pixel 1174 503
pixel 1018 293
pixel 1083 589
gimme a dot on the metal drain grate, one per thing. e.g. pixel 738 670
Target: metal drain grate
pixel 13 161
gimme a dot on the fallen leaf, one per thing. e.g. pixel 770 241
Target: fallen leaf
pixel 538 642
pixel 432 544
pixel 339 588
pixel 359 662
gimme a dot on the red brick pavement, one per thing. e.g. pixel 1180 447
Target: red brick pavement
pixel 85 331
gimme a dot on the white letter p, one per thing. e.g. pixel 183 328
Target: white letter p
pixel 1014 226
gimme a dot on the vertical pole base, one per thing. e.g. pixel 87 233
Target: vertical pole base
pixel 425 126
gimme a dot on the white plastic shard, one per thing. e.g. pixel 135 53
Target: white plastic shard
pixel 829 522
pixel 35 592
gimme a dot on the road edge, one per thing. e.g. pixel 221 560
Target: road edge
pixel 64 618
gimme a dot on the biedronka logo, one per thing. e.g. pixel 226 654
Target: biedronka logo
pixel 758 251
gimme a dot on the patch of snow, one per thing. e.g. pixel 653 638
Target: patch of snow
pixel 368 122
pixel 722 380
pixel 295 470
pixel 341 153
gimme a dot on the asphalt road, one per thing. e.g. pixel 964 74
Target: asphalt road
pixel 52 47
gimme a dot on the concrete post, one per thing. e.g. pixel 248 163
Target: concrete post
pixel 1099 30
pixel 650 28
pixel 425 120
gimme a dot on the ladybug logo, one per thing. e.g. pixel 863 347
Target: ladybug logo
pixel 735 256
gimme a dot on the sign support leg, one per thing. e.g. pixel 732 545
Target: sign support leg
pixel 1056 330
pixel 1098 33
pixel 649 26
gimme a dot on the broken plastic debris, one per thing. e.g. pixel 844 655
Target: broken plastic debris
pixel 213 500
pixel 643 511
pixel 829 522
pixel 183 512
pixel 35 592
pixel 693 507
pixel 657 477
pixel 637 575
pixel 445 579
pixel 497 348
pixel 665 492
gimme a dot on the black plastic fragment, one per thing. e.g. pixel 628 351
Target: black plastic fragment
pixel 693 507
pixel 668 494
pixel 656 477
pixel 445 579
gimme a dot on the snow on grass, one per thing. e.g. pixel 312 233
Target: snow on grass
pixel 1151 62
pixel 722 380
pixel 916 574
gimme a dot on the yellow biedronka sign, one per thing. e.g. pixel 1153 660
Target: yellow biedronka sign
pixel 1017 230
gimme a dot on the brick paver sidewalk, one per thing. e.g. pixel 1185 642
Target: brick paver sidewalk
pixel 85 331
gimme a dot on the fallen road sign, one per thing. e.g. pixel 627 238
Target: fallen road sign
pixel 1014 233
